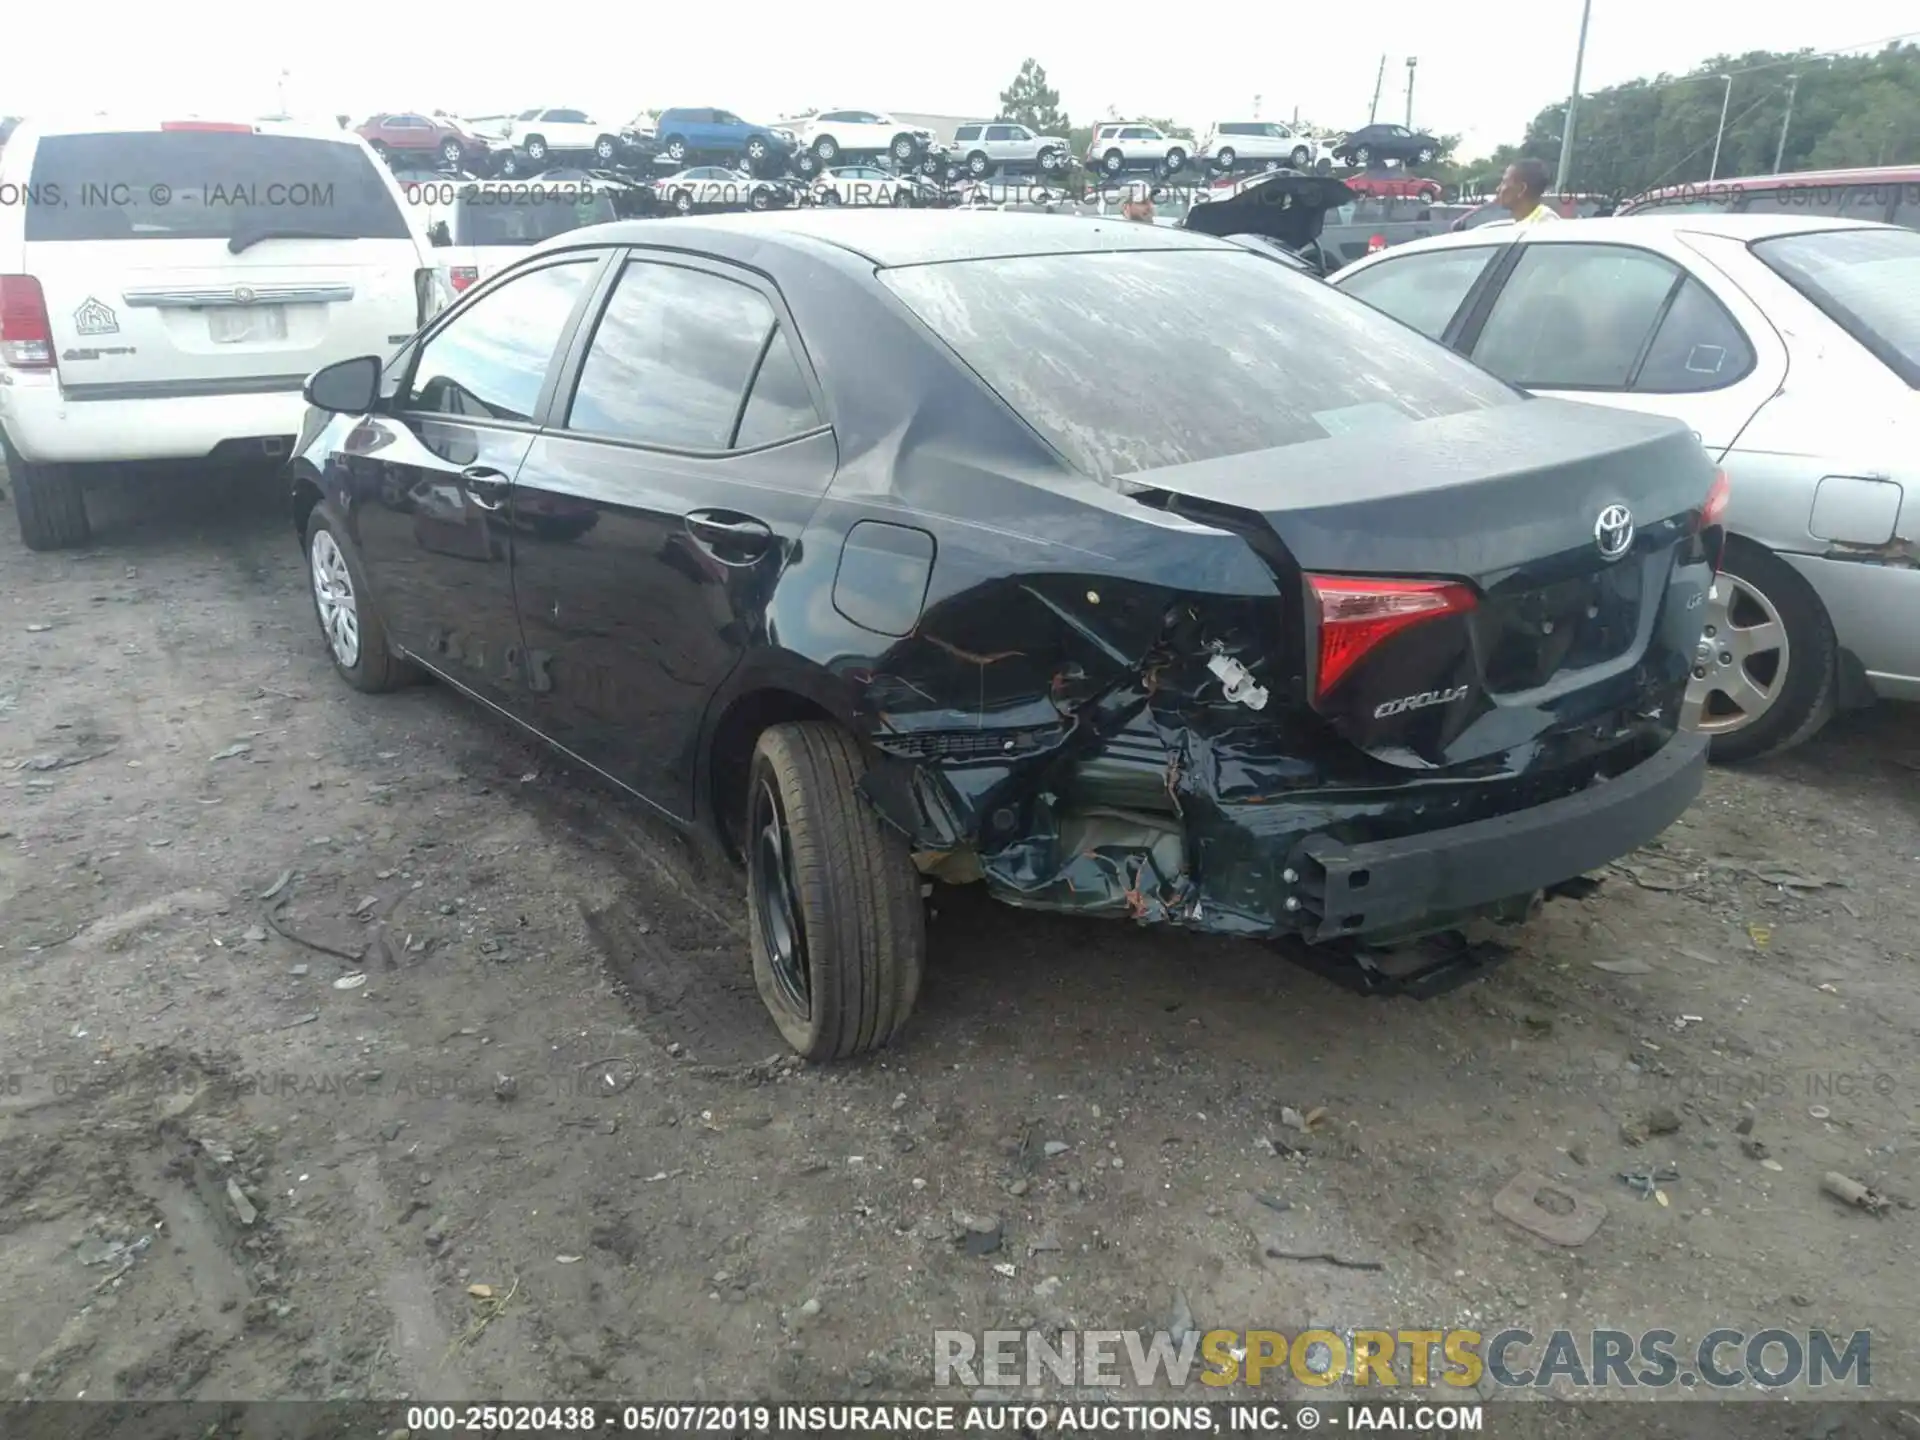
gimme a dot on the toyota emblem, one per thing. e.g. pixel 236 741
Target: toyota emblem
pixel 243 296
pixel 1613 532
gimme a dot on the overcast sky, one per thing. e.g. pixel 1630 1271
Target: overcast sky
pixel 1484 70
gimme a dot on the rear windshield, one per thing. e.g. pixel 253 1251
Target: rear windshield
pixel 205 185
pixel 1867 281
pixel 1130 361
pixel 505 218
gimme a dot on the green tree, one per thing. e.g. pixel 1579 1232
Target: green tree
pixel 1030 101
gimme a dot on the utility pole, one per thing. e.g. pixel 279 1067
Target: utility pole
pixel 1573 103
pixel 1713 170
pixel 1411 63
pixel 1780 150
pixel 1373 112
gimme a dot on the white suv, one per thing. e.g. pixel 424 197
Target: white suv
pixel 1118 146
pixel 1266 143
pixel 833 133
pixel 166 288
pixel 544 132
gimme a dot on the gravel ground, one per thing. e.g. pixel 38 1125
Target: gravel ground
pixel 222 1174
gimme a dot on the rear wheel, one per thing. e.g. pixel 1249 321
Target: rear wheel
pixel 836 924
pixel 904 147
pixel 676 148
pixel 978 164
pixel 1224 159
pixel 49 504
pixel 827 149
pixel 350 619
pixel 1115 162
pixel 1300 156
pixel 1176 158
pixel 1362 157
pixel 604 149
pixel 536 149
pixel 1765 672
pixel 451 154
pixel 1423 156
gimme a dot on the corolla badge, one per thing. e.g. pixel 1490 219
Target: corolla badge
pixel 1613 532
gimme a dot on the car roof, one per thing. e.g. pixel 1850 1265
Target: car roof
pixel 110 124
pixel 1649 228
pixel 902 237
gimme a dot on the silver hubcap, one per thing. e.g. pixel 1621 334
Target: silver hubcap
pixel 1740 664
pixel 333 598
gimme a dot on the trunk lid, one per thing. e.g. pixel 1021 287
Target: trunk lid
pixel 1543 630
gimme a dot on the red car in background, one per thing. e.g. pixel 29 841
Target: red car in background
pixel 436 139
pixel 1395 187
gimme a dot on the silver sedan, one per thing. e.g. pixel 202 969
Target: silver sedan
pixel 1791 345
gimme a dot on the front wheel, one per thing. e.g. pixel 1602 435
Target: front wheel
pixel 1423 156
pixel 1765 672
pixel 536 149
pixel 1224 158
pixel 1300 156
pixel 603 149
pixel 451 154
pixel 757 151
pixel 978 164
pixel 1114 162
pixel 1176 159
pixel 826 149
pixel 350 619
pixel 676 149
pixel 760 200
pixel 683 202
pixel 904 147
pixel 835 920
pixel 1363 157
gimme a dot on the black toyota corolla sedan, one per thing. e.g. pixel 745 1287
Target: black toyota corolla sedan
pixel 1111 566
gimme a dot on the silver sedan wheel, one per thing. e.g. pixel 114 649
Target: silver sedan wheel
pixel 333 597
pixel 1740 666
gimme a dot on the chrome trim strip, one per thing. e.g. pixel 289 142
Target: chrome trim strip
pixel 162 297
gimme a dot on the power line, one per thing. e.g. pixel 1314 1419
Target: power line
pixel 1797 59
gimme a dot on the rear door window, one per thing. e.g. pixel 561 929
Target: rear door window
pixel 206 185
pixel 1424 291
pixel 671 358
pixel 1575 317
pixel 1225 354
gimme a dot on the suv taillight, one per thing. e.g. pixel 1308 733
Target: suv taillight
pixel 26 335
pixel 463 276
pixel 1356 614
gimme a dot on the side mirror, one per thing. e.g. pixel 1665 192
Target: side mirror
pixel 346 387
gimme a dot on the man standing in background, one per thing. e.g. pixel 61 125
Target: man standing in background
pixel 1523 190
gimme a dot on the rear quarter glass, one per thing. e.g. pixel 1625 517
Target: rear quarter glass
pixel 206 185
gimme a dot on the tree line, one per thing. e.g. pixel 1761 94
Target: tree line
pixel 1846 110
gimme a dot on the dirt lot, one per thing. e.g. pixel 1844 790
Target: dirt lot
pixel 223 1175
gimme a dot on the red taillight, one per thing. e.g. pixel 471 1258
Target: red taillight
pixel 26 335
pixel 1717 496
pixel 463 276
pixel 1378 242
pixel 1357 614
pixel 226 126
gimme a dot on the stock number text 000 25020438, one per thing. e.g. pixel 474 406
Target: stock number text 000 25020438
pixel 586 1419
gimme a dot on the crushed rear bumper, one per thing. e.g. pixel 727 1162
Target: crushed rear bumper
pixel 1357 891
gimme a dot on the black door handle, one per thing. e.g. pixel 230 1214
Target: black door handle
pixel 487 487
pixel 729 536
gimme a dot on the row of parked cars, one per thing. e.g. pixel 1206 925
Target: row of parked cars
pixel 536 139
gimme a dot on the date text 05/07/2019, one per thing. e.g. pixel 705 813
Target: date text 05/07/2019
pixel 925 1419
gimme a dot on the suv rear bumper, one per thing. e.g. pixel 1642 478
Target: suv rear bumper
pixel 165 422
pixel 1391 885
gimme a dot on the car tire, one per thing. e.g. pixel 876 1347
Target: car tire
pixel 1323 167
pixel 605 148
pixel 760 200
pixel 978 163
pixel 451 154
pixel 1300 157
pixel 836 924
pixel 904 148
pixel 536 148
pixel 337 581
pixel 1113 162
pixel 1223 159
pixel 1271 165
pixel 1362 157
pixel 49 504
pixel 683 202
pixel 1800 673
pixel 1176 161
pixel 676 148
pixel 1423 156
pixel 1048 161
pixel 757 150
pixel 826 149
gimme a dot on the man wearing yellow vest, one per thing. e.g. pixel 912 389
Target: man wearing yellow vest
pixel 1523 191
